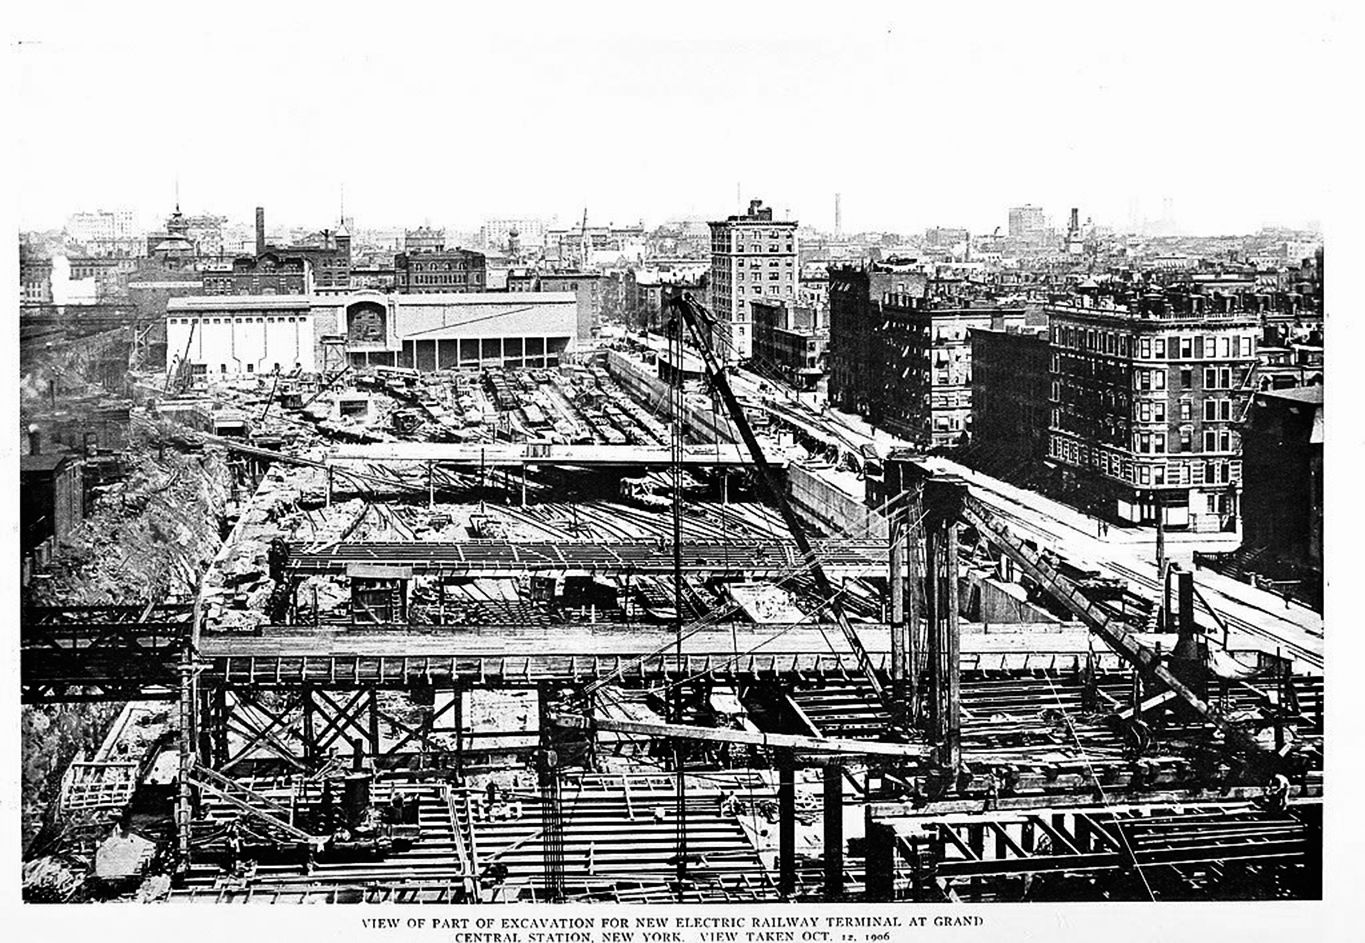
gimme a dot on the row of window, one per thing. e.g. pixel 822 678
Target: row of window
pixel 440 266
pixel 438 279
pixel 773 248
pixel 1214 471
pixel 1193 348
pixel 268 319
pixel 1179 347
pixel 1215 378
pixel 1215 440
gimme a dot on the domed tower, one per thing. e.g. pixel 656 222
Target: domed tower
pixel 514 244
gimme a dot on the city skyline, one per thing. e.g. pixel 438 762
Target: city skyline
pixel 620 118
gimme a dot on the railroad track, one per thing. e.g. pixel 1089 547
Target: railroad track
pixel 1297 651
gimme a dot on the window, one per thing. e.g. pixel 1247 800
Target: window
pixel 1210 379
pixel 1225 378
pixel 1186 348
pixel 1225 441
pixel 1159 443
pixel 1225 409
pixel 1144 442
pixel 1186 378
pixel 1212 504
pixel 1158 379
pixel 1210 441
pixel 1185 444
pixel 1210 410
pixel 1159 411
pixel 1145 347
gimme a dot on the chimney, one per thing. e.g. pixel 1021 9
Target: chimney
pixel 35 440
pixel 260 230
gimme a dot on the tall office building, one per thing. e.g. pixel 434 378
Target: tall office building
pixel 753 257
pixel 1026 221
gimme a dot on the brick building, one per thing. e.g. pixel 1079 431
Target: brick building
pixel 586 286
pixel 329 255
pixel 642 292
pixel 1010 390
pixel 904 360
pixel 855 298
pixel 752 256
pixel 35 277
pixel 268 274
pixel 1282 490
pixel 443 271
pixel 1146 399
pixel 789 340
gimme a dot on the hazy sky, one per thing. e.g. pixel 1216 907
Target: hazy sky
pixel 920 115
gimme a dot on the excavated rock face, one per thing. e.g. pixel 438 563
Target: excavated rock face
pixel 149 537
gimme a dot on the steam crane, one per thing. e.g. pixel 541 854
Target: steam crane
pixel 700 324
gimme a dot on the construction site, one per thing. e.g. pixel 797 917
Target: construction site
pixel 635 627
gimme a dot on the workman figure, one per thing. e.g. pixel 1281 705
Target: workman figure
pixel 1277 793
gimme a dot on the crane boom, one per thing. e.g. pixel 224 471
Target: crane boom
pixel 699 322
pixel 776 741
pixel 1117 637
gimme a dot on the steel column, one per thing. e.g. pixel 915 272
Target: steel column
pixel 786 824
pixel 834 831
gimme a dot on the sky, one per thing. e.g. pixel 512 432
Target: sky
pixel 448 113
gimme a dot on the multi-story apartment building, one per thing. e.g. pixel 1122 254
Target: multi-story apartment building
pixel 1010 385
pixel 902 357
pixel 1146 400
pixel 446 270
pixel 752 256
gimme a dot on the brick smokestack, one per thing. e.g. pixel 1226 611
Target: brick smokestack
pixel 260 230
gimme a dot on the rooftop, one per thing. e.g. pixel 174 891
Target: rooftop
pixel 43 463
pixel 1301 394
